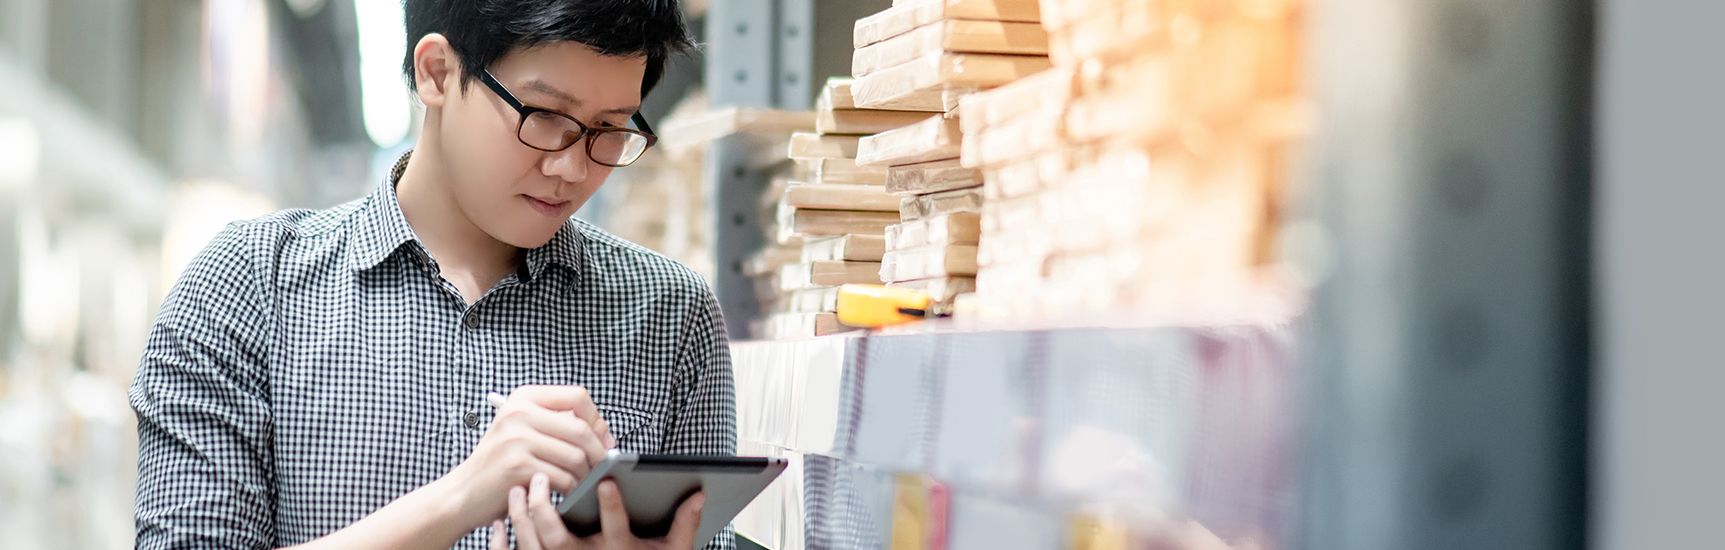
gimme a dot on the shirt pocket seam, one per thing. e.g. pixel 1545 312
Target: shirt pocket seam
pixel 624 422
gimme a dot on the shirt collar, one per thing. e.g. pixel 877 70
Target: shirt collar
pixel 563 249
pixel 384 229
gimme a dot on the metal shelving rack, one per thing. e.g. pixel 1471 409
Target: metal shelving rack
pixel 762 53
pixel 1450 374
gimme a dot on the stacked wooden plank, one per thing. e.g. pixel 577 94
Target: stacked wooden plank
pixel 1015 136
pixel 928 55
pixel 834 211
pixel 933 248
pixel 1144 170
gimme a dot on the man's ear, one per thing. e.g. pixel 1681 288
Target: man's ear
pixel 436 70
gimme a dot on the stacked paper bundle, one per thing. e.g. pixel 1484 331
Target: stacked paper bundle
pixel 929 54
pixel 1144 170
pixel 835 211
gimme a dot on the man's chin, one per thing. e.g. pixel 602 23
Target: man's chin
pixel 527 237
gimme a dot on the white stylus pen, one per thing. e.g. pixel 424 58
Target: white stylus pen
pixel 497 400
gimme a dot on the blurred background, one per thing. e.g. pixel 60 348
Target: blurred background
pixel 131 131
pixel 1532 183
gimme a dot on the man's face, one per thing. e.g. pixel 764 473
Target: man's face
pixel 521 195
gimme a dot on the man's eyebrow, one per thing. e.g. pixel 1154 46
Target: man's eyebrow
pixel 547 89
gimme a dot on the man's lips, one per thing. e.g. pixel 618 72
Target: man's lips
pixel 545 207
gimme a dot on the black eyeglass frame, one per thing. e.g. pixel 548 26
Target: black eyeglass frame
pixel 587 134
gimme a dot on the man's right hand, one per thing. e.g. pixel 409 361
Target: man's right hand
pixel 554 430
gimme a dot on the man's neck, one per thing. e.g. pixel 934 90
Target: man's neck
pixel 467 256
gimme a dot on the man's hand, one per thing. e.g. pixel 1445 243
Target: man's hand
pixel 553 431
pixel 539 527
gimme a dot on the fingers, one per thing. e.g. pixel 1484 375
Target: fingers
pixel 528 452
pixel 577 457
pixel 546 521
pixel 526 537
pixel 688 522
pixel 605 435
pixel 565 467
pixel 574 399
pixel 602 431
pixel 572 430
pixel 499 535
pixel 613 518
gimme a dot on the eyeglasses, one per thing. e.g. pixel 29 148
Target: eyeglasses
pixel 552 131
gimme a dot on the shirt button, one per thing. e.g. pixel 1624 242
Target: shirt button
pixel 472 320
pixel 471 419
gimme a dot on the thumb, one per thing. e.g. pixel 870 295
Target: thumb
pixel 499 536
pixel 688 522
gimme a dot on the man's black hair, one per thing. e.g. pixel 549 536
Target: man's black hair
pixel 483 31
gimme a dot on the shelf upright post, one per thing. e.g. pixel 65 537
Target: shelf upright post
pixel 1449 362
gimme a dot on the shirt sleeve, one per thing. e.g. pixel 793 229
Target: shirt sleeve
pixel 204 420
pixel 705 421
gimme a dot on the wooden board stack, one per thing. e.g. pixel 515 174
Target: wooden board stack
pixel 928 55
pixel 1145 169
pixel 836 210
pixel 687 134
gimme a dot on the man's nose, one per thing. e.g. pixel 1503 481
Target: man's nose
pixel 571 164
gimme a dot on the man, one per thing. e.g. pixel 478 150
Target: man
pixel 320 378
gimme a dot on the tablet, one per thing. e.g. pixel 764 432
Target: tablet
pixel 653 485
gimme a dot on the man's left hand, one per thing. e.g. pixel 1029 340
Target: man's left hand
pixel 538 526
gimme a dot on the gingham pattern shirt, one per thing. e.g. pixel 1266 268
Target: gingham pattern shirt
pixel 311 366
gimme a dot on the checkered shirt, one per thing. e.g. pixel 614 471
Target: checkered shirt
pixel 311 366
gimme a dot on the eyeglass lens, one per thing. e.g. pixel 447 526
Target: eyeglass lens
pixel 547 131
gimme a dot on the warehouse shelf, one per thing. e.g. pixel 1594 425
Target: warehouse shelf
pixel 1059 427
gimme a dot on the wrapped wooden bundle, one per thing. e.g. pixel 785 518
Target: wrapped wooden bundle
pixel 935 138
pixel 836 96
pixel 839 197
pixel 928 261
pixel 862 248
pixel 804 221
pixel 828 273
pixel 952 35
pixel 945 202
pixel 863 121
pixel 954 228
pixel 938 80
pixel 930 177
pixel 812 300
pixel 941 289
pixel 808 145
pixel 1050 89
pixel 843 171
pixel 903 18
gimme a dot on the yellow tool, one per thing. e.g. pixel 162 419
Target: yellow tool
pixel 871 306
